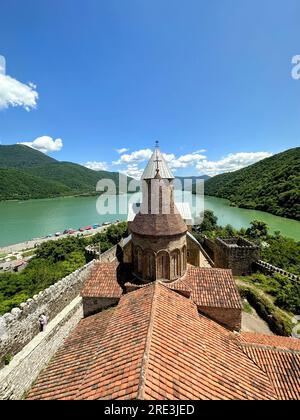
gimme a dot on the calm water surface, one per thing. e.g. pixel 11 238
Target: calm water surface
pixel 24 220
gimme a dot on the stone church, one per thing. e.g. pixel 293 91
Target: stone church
pixel 160 323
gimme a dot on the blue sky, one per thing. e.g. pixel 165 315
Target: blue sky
pixel 211 80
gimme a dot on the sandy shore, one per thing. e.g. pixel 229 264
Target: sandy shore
pixel 22 246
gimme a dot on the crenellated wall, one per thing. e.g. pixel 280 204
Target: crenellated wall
pixel 21 325
pixel 238 254
pixel 17 378
pixel 92 253
pixel 270 269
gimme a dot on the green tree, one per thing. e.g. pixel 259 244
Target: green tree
pixel 257 230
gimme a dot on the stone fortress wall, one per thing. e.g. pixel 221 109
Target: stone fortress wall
pixel 235 253
pixel 271 269
pixel 21 325
pixel 21 340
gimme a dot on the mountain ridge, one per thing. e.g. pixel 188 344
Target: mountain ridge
pixel 271 185
pixel 26 173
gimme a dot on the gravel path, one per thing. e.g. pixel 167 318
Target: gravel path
pixel 253 323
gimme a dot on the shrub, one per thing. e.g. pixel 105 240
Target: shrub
pixel 278 322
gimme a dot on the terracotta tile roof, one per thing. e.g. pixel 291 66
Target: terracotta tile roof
pixel 158 224
pixel 207 287
pixel 117 369
pixel 62 378
pixel 157 346
pixel 213 287
pixel 181 285
pixel 191 357
pixel 271 340
pixel 103 281
pixel 281 364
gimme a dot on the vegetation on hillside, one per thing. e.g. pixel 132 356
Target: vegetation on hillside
pixel 278 321
pixel 271 185
pixel 19 156
pixel 26 173
pixel 53 261
pixel 284 291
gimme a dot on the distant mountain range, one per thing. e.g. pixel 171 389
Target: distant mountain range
pixel 27 173
pixel 271 185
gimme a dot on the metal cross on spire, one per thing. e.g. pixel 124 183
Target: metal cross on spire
pixel 157 160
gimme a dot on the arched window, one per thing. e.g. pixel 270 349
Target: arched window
pixel 149 265
pixel 138 260
pixel 184 258
pixel 163 265
pixel 175 264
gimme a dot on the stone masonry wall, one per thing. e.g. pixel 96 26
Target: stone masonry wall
pixel 239 257
pixel 229 318
pixel 17 378
pixel 92 253
pixel 270 269
pixel 21 325
pixel 92 305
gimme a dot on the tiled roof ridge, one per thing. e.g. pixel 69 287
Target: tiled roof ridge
pixel 270 341
pixel 145 359
pixel 270 347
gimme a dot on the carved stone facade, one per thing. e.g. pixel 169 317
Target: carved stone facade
pixel 159 258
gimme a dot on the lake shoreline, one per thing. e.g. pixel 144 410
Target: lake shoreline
pixel 233 205
pixel 20 221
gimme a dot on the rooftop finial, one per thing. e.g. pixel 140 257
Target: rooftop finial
pixel 157 160
pixel 157 144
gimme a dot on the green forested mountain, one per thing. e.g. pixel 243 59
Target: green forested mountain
pixel 19 156
pixel 27 173
pixel 271 185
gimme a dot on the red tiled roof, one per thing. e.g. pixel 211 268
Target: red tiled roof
pixel 62 378
pixel 102 282
pixel 271 340
pixel 213 287
pixel 157 346
pixel 207 287
pixel 281 364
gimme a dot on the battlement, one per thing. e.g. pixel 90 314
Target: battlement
pixel 235 253
pixel 236 242
pixel 19 326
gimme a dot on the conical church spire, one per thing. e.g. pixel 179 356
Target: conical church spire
pixel 158 230
pixel 157 164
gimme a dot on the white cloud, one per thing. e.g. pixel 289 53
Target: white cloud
pixel 2 65
pixel 96 166
pixel 45 144
pixel 133 171
pixel 183 161
pixel 14 93
pixel 138 156
pixel 231 162
pixel 132 164
pixel 122 150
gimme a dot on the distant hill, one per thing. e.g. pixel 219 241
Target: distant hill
pixel 271 185
pixel 19 156
pixel 27 173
